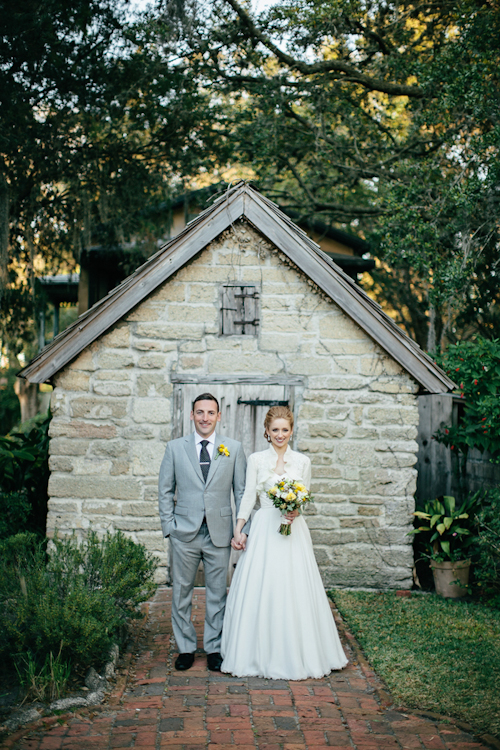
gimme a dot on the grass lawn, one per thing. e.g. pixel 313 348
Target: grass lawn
pixel 433 654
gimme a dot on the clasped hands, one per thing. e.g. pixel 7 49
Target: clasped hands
pixel 239 540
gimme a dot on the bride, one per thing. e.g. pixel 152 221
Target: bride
pixel 278 622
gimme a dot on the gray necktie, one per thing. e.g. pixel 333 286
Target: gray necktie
pixel 204 459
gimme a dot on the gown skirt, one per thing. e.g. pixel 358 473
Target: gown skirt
pixel 278 622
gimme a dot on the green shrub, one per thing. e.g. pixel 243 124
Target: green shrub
pixel 24 472
pixel 73 603
pixel 475 367
pixel 486 558
pixel 15 511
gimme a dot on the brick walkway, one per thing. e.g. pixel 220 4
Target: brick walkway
pixel 153 706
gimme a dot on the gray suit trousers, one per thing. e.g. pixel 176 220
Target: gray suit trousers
pixel 186 557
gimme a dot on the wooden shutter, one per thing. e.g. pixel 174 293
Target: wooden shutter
pixel 240 310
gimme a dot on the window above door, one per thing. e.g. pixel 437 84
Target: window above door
pixel 240 310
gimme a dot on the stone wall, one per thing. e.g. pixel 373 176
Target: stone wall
pixel 356 413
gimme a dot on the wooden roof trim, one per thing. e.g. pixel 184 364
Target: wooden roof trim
pixel 157 269
pixel 353 301
pixel 241 200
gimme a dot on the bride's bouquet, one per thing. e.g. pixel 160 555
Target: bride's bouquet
pixel 289 495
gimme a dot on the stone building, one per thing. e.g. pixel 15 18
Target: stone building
pixel 243 304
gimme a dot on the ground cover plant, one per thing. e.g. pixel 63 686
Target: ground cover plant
pixel 433 654
pixel 60 613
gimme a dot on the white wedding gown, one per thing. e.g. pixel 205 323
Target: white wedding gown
pixel 278 623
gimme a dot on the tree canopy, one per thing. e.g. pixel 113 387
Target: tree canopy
pixel 379 116
pixel 95 127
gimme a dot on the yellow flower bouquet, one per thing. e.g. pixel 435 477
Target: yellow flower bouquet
pixel 289 495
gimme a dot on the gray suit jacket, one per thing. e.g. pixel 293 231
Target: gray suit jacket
pixel 180 471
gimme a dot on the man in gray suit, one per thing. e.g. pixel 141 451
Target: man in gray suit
pixel 196 477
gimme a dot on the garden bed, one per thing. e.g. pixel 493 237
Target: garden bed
pixel 433 654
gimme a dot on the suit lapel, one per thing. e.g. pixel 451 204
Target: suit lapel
pixel 190 446
pixel 214 464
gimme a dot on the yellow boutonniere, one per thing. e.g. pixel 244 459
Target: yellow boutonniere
pixel 221 451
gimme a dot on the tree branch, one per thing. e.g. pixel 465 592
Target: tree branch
pixel 326 66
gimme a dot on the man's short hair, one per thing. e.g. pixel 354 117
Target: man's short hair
pixel 206 397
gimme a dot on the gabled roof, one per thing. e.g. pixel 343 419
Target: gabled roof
pixel 241 201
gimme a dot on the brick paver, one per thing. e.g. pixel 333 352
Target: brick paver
pixel 153 707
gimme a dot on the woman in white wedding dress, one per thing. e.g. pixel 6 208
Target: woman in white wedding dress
pixel 278 622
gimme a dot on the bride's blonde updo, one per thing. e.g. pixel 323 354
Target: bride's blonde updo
pixel 277 412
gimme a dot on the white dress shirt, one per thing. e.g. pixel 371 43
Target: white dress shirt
pixel 210 446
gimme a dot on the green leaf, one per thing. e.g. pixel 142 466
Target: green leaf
pixel 441 528
pixel 445 546
pixel 447 521
pixel 449 502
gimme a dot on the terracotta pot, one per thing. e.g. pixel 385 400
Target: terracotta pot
pixel 445 573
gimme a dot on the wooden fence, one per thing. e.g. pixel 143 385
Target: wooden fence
pixel 437 465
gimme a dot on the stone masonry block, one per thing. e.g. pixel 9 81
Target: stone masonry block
pixel 151 410
pixel 191 361
pixel 397 415
pixel 140 509
pixel 100 507
pixel 286 343
pixel 117 338
pixel 73 380
pixel 170 291
pixel 119 466
pixel 143 345
pixel 152 361
pixel 60 463
pixel 147 457
pixel 327 429
pixel 59 403
pixel 198 293
pixel 68 447
pixel 310 365
pixel 235 362
pixel 115 488
pixel 146 311
pixel 396 460
pixel 153 384
pixel 342 347
pixel 205 314
pixel 340 327
pixel 354 454
pixel 84 361
pixel 118 376
pixel 112 388
pixel 110 448
pixel 115 359
pixel 172 331
pixel 391 385
pixel 98 408
pixel 75 429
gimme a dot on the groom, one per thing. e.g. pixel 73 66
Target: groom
pixel 196 477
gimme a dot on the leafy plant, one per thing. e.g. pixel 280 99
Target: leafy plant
pixel 46 683
pixel 446 528
pixel 73 603
pixel 24 476
pixel 475 366
pixel 486 555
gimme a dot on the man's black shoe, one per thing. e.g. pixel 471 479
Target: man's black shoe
pixel 214 662
pixel 184 661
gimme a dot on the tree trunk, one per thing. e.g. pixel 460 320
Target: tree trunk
pixel 431 333
pixel 27 394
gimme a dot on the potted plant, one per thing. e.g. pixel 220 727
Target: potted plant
pixel 448 538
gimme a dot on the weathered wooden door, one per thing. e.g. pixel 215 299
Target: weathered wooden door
pixel 243 409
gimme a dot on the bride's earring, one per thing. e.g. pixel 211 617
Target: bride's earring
pixel 266 435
